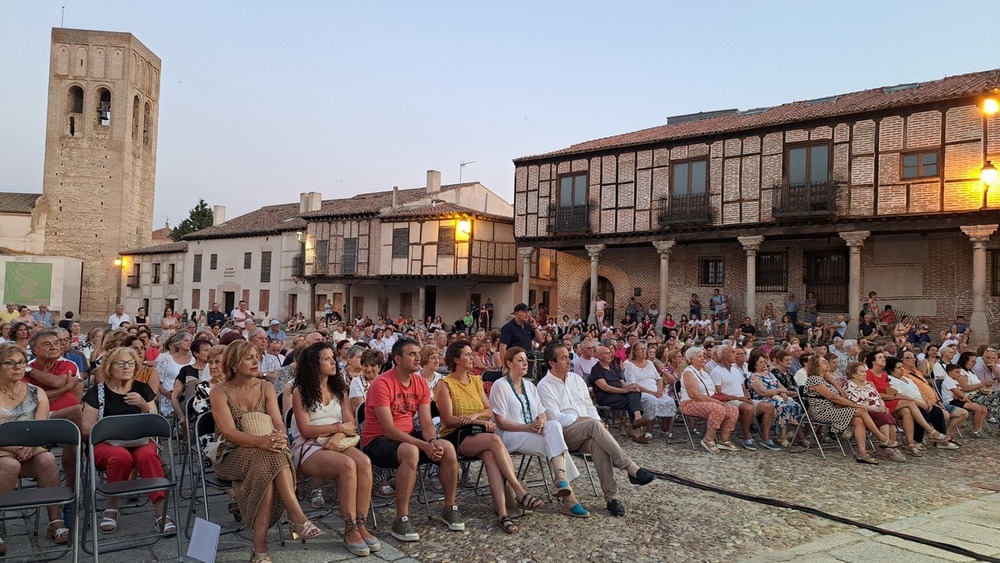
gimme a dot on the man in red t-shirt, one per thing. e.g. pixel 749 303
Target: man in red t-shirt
pixel 388 436
pixel 59 378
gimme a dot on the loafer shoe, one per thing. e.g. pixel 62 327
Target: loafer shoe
pixel 642 477
pixel 616 508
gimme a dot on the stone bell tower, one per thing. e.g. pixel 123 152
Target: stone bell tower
pixel 100 155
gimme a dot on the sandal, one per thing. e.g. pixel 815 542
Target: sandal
pixel 361 524
pixel 385 490
pixel 260 557
pixel 561 488
pixel 304 531
pixel 361 548
pixel 508 525
pixel 234 509
pixel 109 524
pixel 529 502
pixel 59 535
pixel 912 450
pixel 165 525
pixel 867 459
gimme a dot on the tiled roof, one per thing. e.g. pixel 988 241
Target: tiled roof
pixel 374 202
pixel 272 219
pixel 167 248
pixel 12 202
pixel 882 98
pixel 444 209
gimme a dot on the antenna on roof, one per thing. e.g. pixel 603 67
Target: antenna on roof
pixel 461 167
pixel 62 17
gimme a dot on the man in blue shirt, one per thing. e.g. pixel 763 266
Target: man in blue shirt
pixel 43 315
pixel 274 331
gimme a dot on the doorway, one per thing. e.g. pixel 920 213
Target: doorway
pixel 430 300
pixel 358 305
pixel 826 275
pixel 229 301
pixel 605 291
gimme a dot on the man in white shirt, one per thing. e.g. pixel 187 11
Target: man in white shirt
pixel 728 379
pixel 119 317
pixel 565 398
pixel 583 363
pixel 241 315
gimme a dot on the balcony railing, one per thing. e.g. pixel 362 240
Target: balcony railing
pixel 805 200
pixel 573 219
pixel 691 209
pixel 298 266
pixel 132 280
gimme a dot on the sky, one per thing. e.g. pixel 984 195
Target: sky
pixel 260 101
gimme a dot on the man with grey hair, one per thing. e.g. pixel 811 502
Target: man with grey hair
pixel 119 317
pixel 583 363
pixel 847 353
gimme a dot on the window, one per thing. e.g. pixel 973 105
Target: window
pixel 920 165
pixel 711 271
pixel 213 262
pixel 826 276
pixel 265 266
pixel 135 118
pixel 171 273
pixel 104 107
pixel 350 263
pixel 156 273
pixel 321 253
pixel 196 269
pixel 195 298
pixel 400 243
pixel 573 190
pixel 146 124
pixel 446 240
pixel 247 260
pixel 772 271
pixel 808 164
pixel 75 103
pixel 265 300
pixel 689 178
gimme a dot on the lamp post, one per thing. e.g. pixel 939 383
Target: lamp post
pixel 988 175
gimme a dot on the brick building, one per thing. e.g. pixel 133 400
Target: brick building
pixel 878 190
pixel 100 155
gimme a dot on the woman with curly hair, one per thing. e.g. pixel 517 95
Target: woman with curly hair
pixel 324 434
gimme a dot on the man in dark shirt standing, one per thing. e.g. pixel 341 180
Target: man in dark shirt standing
pixel 611 391
pixel 216 316
pixel 520 331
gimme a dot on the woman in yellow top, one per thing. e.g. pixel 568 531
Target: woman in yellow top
pixel 466 422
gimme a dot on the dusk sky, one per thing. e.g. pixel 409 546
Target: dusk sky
pixel 262 100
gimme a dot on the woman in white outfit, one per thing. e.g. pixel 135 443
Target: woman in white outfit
pixel 522 425
pixel 655 400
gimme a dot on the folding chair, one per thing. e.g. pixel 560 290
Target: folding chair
pixel 800 380
pixel 300 492
pixel 689 427
pixel 202 479
pixel 32 433
pixel 130 427
pixel 376 501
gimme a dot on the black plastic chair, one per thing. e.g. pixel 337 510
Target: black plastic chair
pixel 202 478
pixel 32 433
pixel 130 427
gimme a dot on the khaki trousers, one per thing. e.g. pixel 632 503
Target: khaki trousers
pixel 590 436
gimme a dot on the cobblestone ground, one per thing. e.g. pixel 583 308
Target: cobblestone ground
pixel 665 521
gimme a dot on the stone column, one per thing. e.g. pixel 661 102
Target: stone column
pixel 854 240
pixel 979 326
pixel 525 253
pixel 750 245
pixel 594 251
pixel 421 303
pixel 663 248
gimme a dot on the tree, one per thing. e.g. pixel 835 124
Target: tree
pixel 199 217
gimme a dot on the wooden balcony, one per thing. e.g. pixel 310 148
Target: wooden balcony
pixel 132 280
pixel 805 200
pixel 688 209
pixel 298 266
pixel 569 220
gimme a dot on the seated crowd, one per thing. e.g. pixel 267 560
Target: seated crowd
pixel 374 402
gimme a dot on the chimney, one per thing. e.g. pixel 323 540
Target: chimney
pixel 395 197
pixel 218 215
pixel 310 201
pixel 433 181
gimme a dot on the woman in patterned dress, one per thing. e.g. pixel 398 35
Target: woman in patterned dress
pixel 765 386
pixel 259 466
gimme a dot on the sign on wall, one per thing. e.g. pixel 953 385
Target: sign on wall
pixel 27 283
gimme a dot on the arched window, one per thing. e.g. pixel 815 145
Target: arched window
pixel 146 125
pixel 75 102
pixel 135 118
pixel 72 126
pixel 104 106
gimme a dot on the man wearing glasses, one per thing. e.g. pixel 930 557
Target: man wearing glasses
pixel 60 380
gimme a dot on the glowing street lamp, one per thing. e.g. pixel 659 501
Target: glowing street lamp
pixel 988 175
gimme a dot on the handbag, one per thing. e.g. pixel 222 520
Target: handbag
pixel 137 443
pixel 342 440
pixel 256 423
